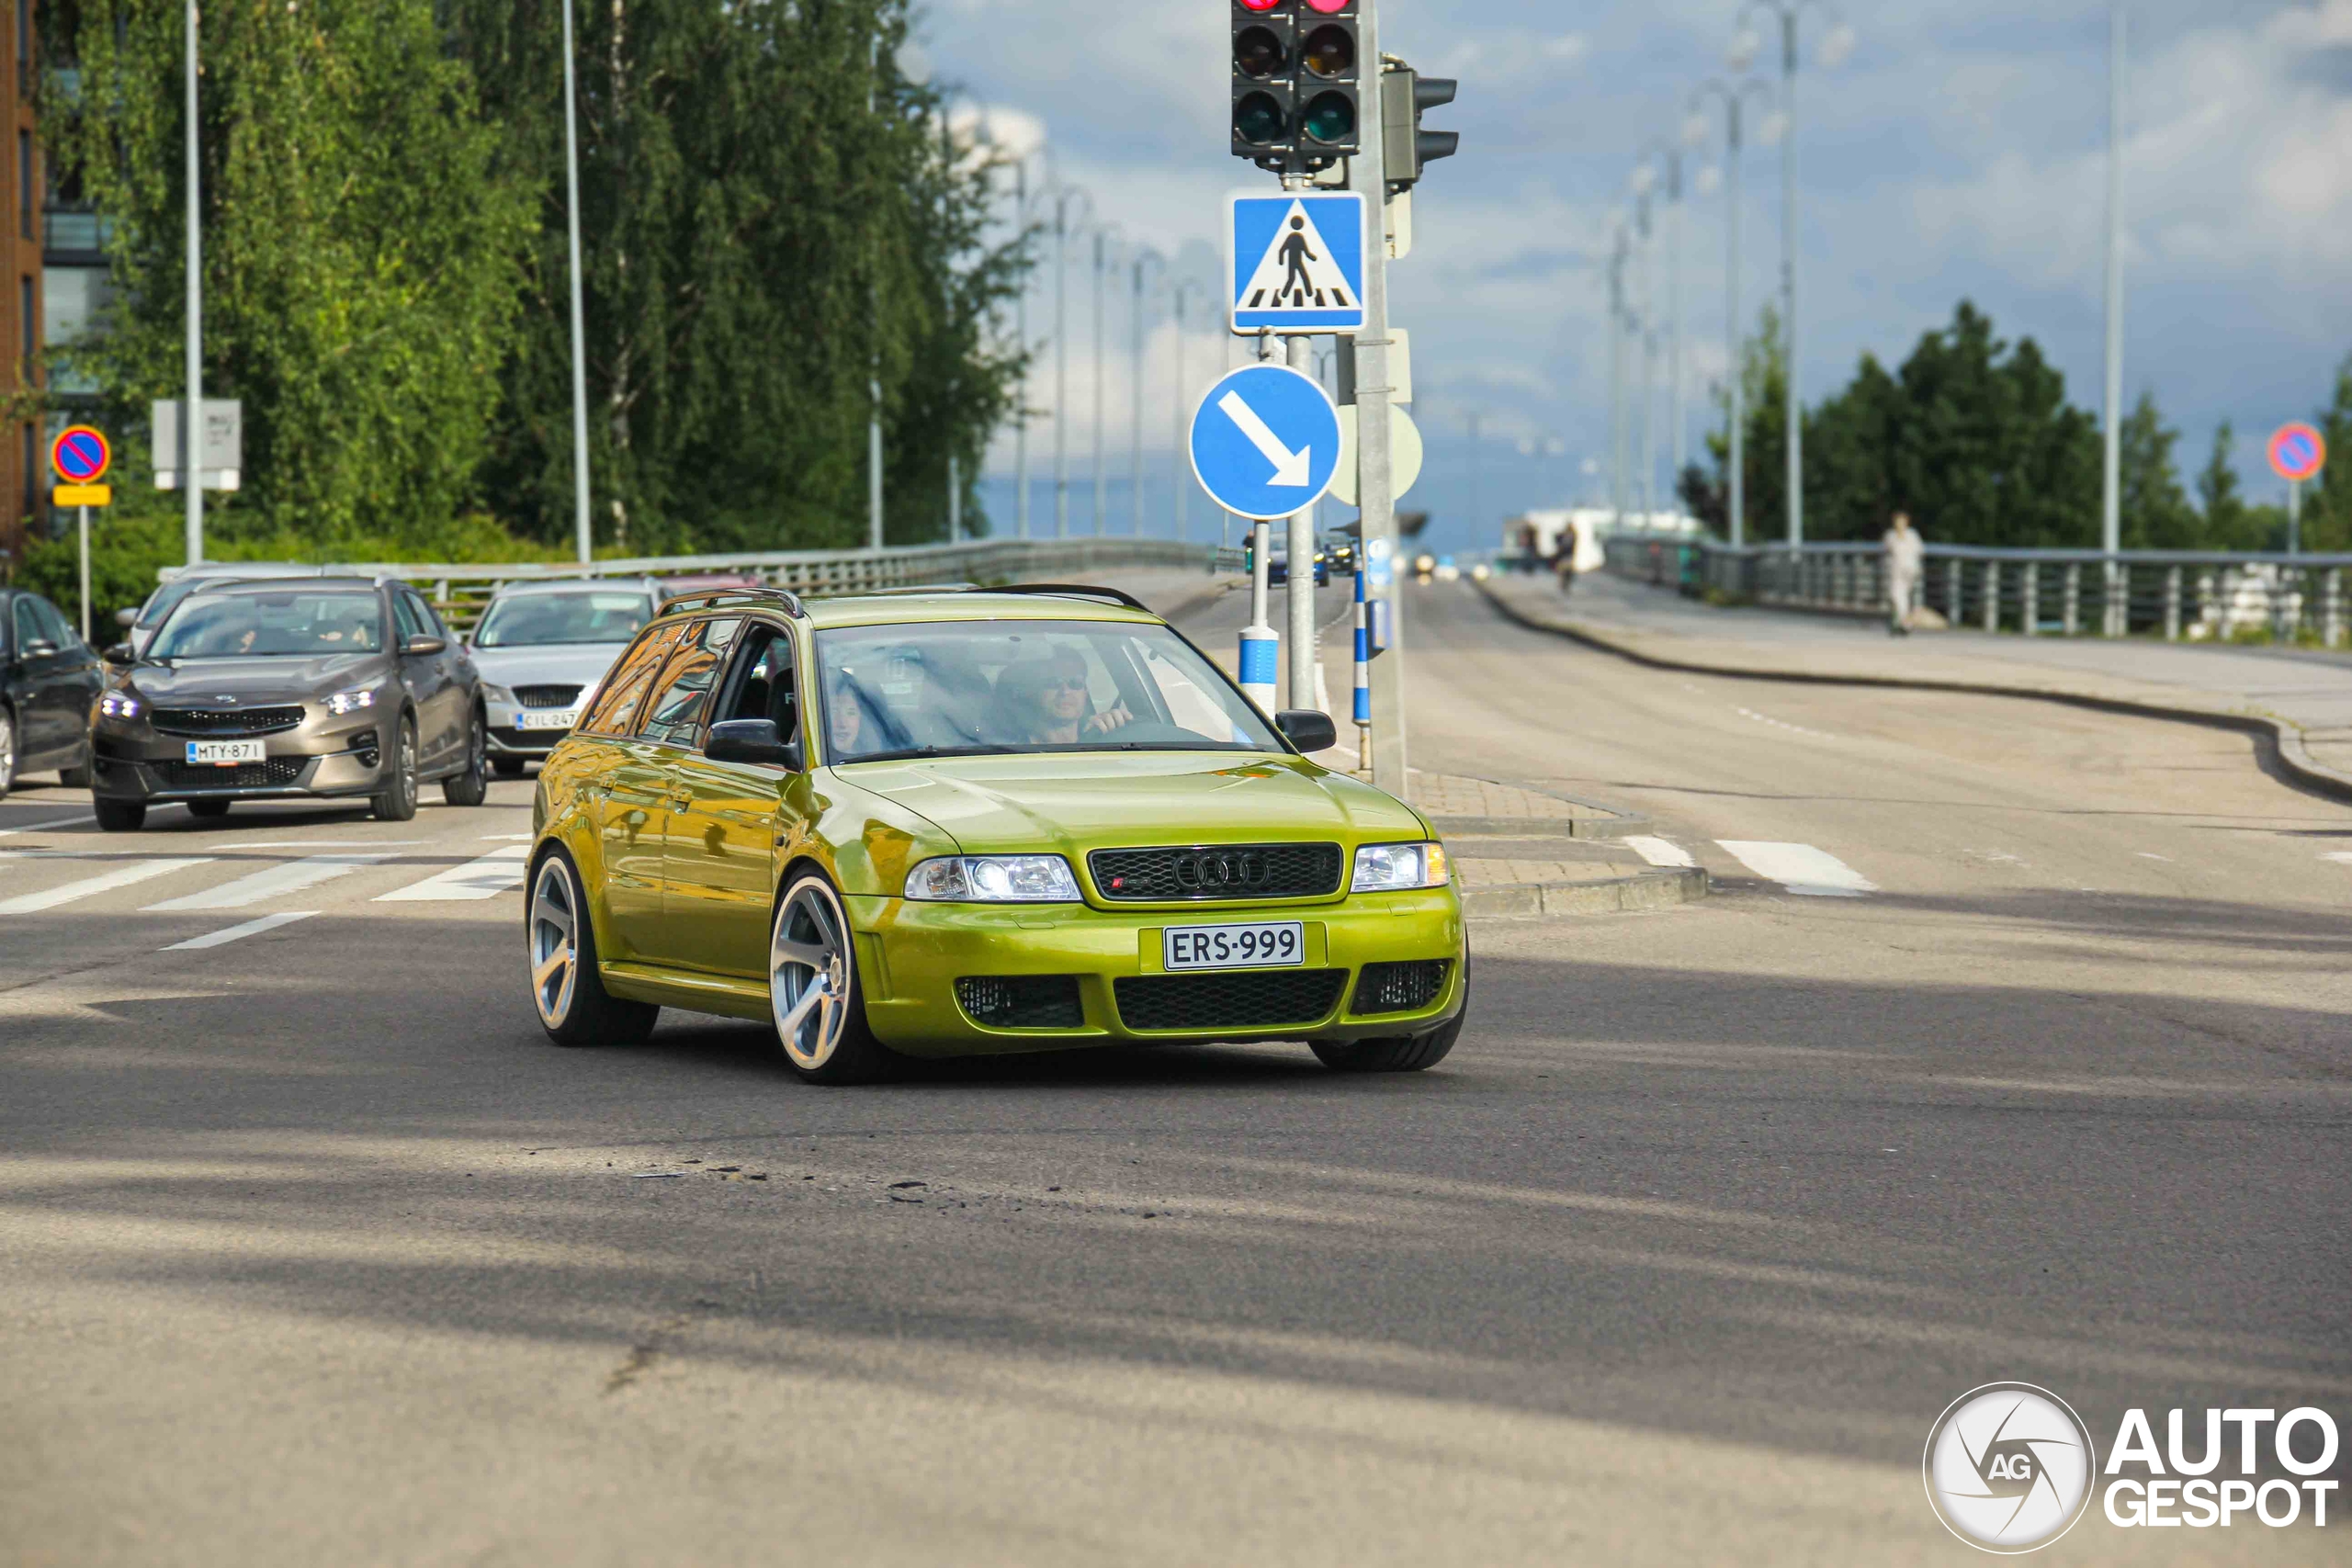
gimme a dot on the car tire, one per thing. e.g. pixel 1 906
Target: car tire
pixel 397 801
pixel 507 767
pixel 8 752
pixel 119 816
pixel 207 808
pixel 82 774
pixel 1402 1054
pixel 816 997
pixel 567 989
pixel 470 787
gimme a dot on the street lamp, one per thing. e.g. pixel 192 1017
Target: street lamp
pixel 1178 467
pixel 1022 198
pixel 1644 180
pixel 1617 322
pixel 1104 238
pixel 1670 154
pixel 1834 49
pixel 1145 257
pixel 1733 98
pixel 1062 199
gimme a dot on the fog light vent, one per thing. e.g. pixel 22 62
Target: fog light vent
pixel 1400 988
pixel 1023 1001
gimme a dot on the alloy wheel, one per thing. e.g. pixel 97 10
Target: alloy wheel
pixel 808 975
pixel 555 944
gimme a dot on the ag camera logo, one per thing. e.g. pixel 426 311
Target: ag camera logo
pixel 2009 1466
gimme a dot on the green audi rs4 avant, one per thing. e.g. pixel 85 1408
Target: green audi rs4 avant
pixel 958 822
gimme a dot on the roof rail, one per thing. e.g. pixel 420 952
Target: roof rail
pixel 715 599
pixel 915 588
pixel 1070 590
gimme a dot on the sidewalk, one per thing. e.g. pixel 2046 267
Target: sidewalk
pixel 2300 701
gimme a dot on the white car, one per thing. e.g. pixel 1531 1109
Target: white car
pixel 542 647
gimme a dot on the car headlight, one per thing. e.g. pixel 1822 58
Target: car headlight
pixel 497 694
pixel 351 701
pixel 118 704
pixel 993 879
pixel 1385 868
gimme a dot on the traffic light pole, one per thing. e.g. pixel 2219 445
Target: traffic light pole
pixel 1300 355
pixel 1374 486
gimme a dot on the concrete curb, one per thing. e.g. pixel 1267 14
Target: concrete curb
pixel 1587 829
pixel 1624 894
pixel 2285 738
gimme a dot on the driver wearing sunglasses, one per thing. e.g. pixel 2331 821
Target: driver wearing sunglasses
pixel 1044 702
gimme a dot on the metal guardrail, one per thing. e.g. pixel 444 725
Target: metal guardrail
pixel 461 592
pixel 2178 595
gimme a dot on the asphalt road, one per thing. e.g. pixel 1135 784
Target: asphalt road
pixel 312 1249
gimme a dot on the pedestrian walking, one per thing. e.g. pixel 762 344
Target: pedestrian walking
pixel 1906 561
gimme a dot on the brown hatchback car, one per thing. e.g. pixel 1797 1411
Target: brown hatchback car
pixel 316 688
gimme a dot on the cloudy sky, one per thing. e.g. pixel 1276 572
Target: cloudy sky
pixel 1958 152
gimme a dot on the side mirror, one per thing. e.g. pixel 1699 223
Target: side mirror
pixel 754 740
pixel 425 647
pixel 120 654
pixel 40 647
pixel 1307 729
pixel 126 619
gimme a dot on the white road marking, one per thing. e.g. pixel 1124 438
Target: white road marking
pixel 1658 851
pixel 507 838
pixel 104 882
pixel 271 883
pixel 1804 871
pixel 239 933
pixel 1782 723
pixel 52 822
pixel 2341 857
pixel 495 873
pixel 325 843
pixel 2166 859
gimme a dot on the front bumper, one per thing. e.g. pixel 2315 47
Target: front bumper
pixel 295 764
pixel 911 954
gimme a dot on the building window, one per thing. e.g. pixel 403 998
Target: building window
pixel 24 48
pixel 29 339
pixel 25 183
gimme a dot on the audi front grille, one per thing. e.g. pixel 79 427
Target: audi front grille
pixel 1206 871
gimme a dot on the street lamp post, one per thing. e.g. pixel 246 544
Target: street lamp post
pixel 1022 217
pixel 1834 49
pixel 1734 99
pixel 1062 198
pixel 1646 323
pixel 192 413
pixel 1617 488
pixel 1145 257
pixel 1103 239
pixel 1177 464
pixel 1671 156
pixel 2115 614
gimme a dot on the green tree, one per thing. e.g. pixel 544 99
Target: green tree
pixel 2155 511
pixel 771 225
pixel 2327 499
pixel 2228 524
pixel 361 249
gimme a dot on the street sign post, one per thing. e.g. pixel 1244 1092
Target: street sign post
pixel 1265 443
pixel 80 456
pixel 2298 453
pixel 1295 261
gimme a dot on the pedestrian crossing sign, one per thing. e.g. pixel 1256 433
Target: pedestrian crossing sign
pixel 1296 262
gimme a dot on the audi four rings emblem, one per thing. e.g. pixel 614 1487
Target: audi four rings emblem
pixel 1220 870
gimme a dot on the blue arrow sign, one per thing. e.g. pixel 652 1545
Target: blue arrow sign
pixel 1296 262
pixel 1266 442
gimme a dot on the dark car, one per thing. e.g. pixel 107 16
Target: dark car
pixel 49 678
pixel 331 688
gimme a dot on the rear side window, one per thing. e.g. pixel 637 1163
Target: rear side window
pixel 632 675
pixel 683 701
pixel 60 631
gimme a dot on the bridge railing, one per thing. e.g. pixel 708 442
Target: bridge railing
pixel 2178 595
pixel 461 592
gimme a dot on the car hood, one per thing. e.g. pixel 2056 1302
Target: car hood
pixel 207 682
pixel 570 663
pixel 1072 804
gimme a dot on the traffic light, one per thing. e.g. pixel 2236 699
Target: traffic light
pixel 1296 76
pixel 1405 96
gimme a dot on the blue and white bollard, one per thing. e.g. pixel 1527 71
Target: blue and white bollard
pixel 1363 680
pixel 1261 647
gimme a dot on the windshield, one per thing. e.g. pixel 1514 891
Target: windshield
pixel 288 623
pixel 536 620
pixel 969 688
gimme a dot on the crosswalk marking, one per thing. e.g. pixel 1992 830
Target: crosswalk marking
pixel 271 883
pixel 239 933
pixel 52 822
pixel 1658 851
pixel 1801 869
pixel 493 874
pixel 104 882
